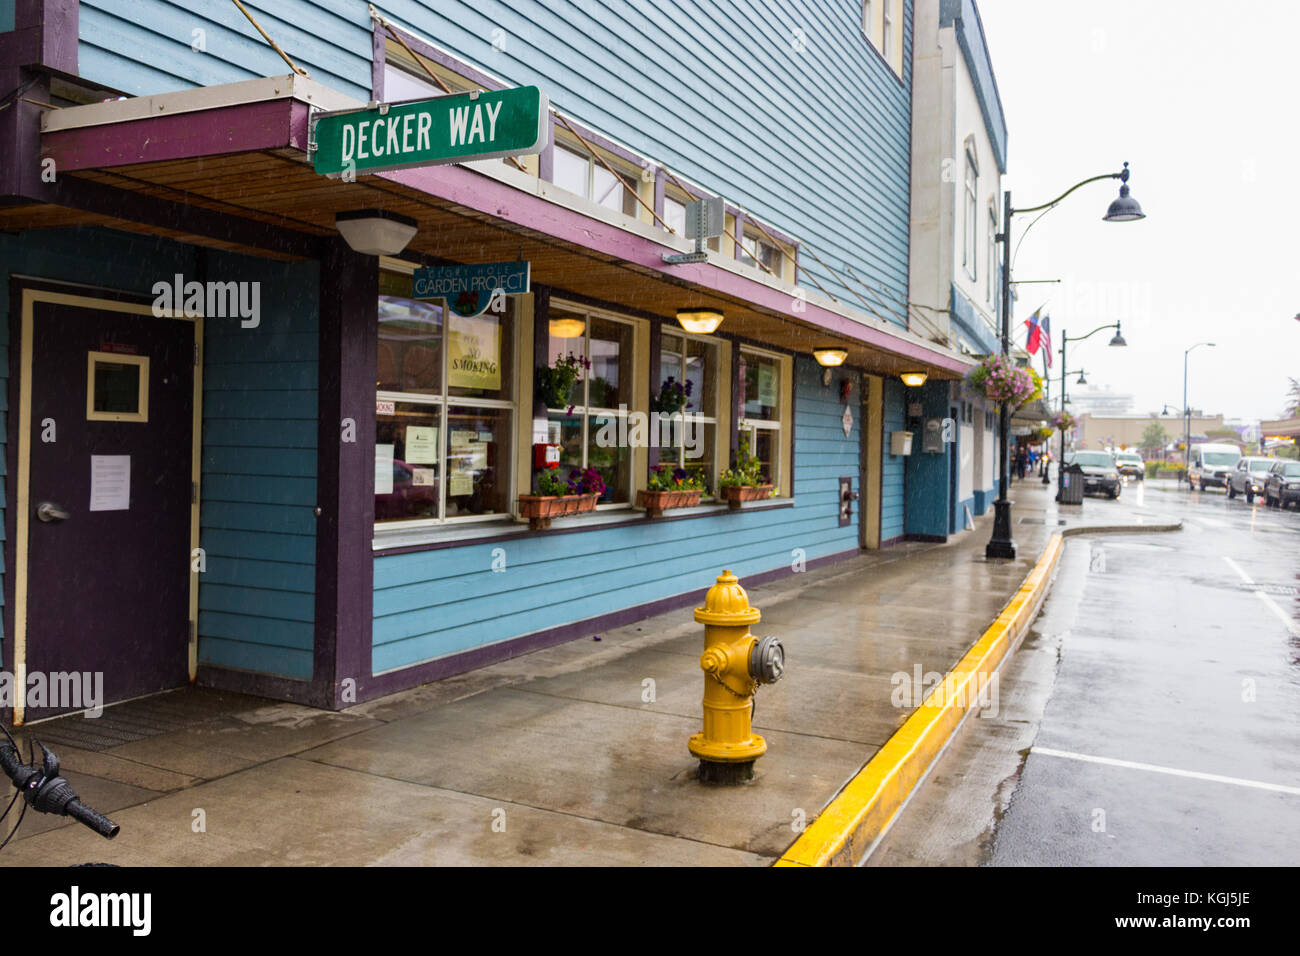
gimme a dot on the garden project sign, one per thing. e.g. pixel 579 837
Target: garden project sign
pixel 447 129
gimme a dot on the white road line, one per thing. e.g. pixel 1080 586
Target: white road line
pixel 1237 567
pixel 1273 606
pixel 1195 775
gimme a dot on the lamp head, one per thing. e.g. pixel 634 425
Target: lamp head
pixel 1125 208
pixel 1118 340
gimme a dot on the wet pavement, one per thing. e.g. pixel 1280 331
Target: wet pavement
pixel 1150 716
pixel 565 756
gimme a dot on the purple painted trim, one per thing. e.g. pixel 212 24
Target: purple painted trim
pixel 891 542
pixel 638 522
pixel 656 379
pixel 935 538
pixel 230 129
pixel 437 56
pixel 308 693
pixel 378 58
pixel 541 347
pixel 407 677
pixel 737 402
pixel 661 181
pixel 344 613
pixel 44 34
pixel 738 230
pixel 498 200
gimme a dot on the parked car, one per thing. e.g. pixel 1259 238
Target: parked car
pixel 1130 464
pixel 1248 477
pixel 1210 466
pixel 1282 486
pixel 1099 471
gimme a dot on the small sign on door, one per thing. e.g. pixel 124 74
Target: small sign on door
pixel 110 482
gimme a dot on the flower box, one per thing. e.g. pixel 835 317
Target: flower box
pixel 656 503
pixel 540 509
pixel 735 494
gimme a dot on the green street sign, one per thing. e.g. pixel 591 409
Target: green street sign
pixel 448 129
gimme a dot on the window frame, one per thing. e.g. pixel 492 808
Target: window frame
pixel 507 457
pixel 971 207
pixel 630 206
pixel 783 459
pixel 714 417
pixel 587 412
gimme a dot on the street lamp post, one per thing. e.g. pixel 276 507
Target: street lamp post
pixel 1117 340
pixel 1187 417
pixel 1123 209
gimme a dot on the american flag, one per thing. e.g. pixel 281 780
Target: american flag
pixel 1046 336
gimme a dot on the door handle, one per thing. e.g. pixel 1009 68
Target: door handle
pixel 49 511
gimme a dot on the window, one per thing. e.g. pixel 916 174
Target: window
pixel 691 443
pixel 754 250
pixel 968 246
pixel 989 285
pixel 761 409
pixel 592 430
pixel 117 387
pixel 675 215
pixel 444 410
pixel 579 173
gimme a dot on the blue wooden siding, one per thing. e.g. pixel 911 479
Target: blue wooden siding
pixel 7 9
pixel 814 141
pixel 928 497
pixel 94 257
pixel 257 597
pixel 892 466
pixel 433 603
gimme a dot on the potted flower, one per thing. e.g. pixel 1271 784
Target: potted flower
pixel 999 379
pixel 669 487
pixel 557 497
pixel 672 397
pixel 555 382
pixel 744 482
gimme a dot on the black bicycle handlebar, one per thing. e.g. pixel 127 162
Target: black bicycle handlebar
pixel 46 792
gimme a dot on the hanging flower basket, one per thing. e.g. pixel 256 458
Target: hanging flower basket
pixel 1000 380
pixel 1063 421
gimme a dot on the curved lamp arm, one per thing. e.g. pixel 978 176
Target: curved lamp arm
pixel 1047 207
pixel 1080 338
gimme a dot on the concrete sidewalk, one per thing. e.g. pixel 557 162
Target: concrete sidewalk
pixel 555 757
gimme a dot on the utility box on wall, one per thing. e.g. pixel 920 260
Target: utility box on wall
pixel 900 443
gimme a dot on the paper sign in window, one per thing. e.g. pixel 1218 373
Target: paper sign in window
pixel 383 469
pixel 766 386
pixel 421 444
pixel 110 482
pixel 474 352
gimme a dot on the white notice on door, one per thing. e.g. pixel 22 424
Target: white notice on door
pixel 110 482
pixel 383 469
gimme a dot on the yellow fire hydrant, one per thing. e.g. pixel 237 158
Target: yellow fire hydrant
pixel 734 662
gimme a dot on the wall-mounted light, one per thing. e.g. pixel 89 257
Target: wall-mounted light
pixel 830 358
pixel 375 232
pixel 699 321
pixel 567 328
pixel 913 379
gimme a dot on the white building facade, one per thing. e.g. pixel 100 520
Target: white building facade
pixel 959 143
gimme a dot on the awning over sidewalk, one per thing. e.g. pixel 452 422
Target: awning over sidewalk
pixel 228 167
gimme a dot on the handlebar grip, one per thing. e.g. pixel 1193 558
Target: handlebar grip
pixel 92 818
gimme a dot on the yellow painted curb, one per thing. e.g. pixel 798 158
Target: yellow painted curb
pixel 846 829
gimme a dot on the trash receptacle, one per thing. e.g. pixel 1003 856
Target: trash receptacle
pixel 1071 485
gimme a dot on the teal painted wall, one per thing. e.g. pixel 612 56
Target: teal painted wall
pixel 814 140
pixel 257 598
pixel 434 603
pixel 928 492
pixel 7 15
pixel 96 257
pixel 893 466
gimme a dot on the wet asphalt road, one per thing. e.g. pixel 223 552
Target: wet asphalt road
pixel 1151 718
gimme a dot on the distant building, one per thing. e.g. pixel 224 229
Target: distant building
pixel 1100 400
pixel 1095 431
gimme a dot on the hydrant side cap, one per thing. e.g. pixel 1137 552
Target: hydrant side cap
pixel 727 604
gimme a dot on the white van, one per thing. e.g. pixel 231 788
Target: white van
pixel 1210 465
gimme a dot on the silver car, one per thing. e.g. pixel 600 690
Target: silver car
pixel 1248 477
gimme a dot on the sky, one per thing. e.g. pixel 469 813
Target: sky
pixel 1200 98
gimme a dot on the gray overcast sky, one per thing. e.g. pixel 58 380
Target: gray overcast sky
pixel 1203 100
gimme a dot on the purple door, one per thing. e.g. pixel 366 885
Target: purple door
pixel 109 499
